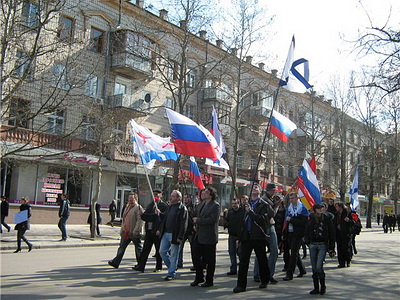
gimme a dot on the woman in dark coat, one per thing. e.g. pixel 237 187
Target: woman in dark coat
pixel 344 228
pixel 23 226
pixel 320 237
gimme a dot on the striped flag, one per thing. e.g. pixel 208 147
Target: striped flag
pixel 195 175
pixel 307 182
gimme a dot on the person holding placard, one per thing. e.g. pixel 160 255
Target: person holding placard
pixel 23 224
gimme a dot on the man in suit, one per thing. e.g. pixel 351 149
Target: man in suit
pixel 206 226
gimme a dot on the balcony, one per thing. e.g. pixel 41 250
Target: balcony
pixel 259 114
pixel 40 139
pixel 214 94
pixel 127 103
pixel 131 65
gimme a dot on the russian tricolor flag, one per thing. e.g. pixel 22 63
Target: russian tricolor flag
pixel 281 126
pixel 308 185
pixel 195 175
pixel 190 138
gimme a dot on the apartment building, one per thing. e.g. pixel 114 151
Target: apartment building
pixel 82 69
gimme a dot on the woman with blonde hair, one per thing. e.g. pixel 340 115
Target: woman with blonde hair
pixel 23 226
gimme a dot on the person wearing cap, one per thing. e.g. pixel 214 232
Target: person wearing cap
pixel 152 217
pixel 273 201
pixel 320 237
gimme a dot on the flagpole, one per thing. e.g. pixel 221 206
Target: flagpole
pixel 267 133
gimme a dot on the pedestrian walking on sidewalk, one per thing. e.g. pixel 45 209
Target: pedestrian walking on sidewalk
pixel 112 209
pixel 4 213
pixel 23 226
pixel 131 229
pixel 63 214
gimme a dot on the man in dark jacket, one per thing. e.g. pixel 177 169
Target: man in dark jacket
pixel 206 226
pixel 296 219
pixel 233 220
pixel 153 217
pixel 172 230
pixel 344 226
pixel 63 214
pixel 4 213
pixel 252 236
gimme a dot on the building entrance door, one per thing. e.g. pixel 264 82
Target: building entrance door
pixel 122 194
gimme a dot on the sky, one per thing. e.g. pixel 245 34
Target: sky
pixel 321 28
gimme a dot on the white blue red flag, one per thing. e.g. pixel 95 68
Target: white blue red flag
pixel 195 175
pixel 216 132
pixel 354 202
pixel 308 184
pixel 151 147
pixel 296 74
pixel 281 126
pixel 191 138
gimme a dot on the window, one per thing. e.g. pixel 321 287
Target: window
pixel 280 170
pixel 30 14
pixel 118 133
pixel 191 79
pixel 19 113
pixel 119 88
pixel 96 40
pixel 268 100
pixel 22 64
pixel 189 111
pixel 169 103
pixel 290 172
pixel 66 28
pixel 253 162
pixel 93 86
pixel 60 75
pixel 239 161
pixel 89 128
pixel 55 122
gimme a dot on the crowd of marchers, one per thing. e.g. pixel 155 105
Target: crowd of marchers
pixel 261 223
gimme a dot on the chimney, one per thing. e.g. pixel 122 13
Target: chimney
pixel 249 59
pixel 140 3
pixel 234 51
pixel 261 66
pixel 163 14
pixel 203 34
pixel 274 72
pixel 183 24
pixel 219 43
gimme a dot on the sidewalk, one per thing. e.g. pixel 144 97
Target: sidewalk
pixel 48 236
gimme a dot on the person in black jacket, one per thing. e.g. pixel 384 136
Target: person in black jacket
pixel 343 223
pixel 233 220
pixel 4 213
pixel 23 226
pixel 320 237
pixel 172 231
pixel 252 236
pixel 112 210
pixel 153 217
pixel 98 218
pixel 296 218
pixel 63 214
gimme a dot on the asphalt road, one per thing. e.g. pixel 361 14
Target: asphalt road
pixel 83 273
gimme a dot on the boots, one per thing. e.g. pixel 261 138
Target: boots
pixel 316 286
pixel 323 286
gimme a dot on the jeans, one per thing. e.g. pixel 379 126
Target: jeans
pixel 272 241
pixel 233 252
pixel 62 224
pixel 317 257
pixel 122 247
pixel 169 253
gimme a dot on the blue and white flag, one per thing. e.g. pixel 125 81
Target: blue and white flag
pixel 151 147
pixel 296 74
pixel 354 202
pixel 216 132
